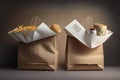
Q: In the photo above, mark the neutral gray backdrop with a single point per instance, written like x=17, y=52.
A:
x=16, y=12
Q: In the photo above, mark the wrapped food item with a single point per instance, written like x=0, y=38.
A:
x=56, y=28
x=23, y=33
x=28, y=34
x=23, y=28
x=101, y=29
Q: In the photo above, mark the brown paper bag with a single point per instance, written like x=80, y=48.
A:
x=41, y=54
x=80, y=57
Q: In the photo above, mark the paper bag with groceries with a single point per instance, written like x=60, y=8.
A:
x=84, y=49
x=37, y=46
x=93, y=37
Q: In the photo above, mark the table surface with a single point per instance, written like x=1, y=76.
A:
x=109, y=73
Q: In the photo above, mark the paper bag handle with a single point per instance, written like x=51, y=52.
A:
x=35, y=20
x=89, y=23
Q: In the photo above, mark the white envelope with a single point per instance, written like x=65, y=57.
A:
x=42, y=31
x=80, y=33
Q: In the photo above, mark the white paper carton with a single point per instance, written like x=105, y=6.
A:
x=80, y=33
x=42, y=31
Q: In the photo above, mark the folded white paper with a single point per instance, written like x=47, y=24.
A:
x=42, y=31
x=80, y=33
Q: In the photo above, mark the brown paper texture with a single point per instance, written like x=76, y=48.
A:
x=41, y=54
x=80, y=57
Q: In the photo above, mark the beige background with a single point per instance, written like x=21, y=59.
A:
x=60, y=13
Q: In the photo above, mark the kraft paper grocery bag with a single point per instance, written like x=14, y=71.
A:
x=80, y=57
x=41, y=54
x=84, y=50
x=37, y=46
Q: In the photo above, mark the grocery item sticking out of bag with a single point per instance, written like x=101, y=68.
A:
x=28, y=34
x=35, y=31
x=93, y=31
x=99, y=29
x=89, y=35
x=96, y=28
x=56, y=28
x=23, y=33
x=23, y=28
